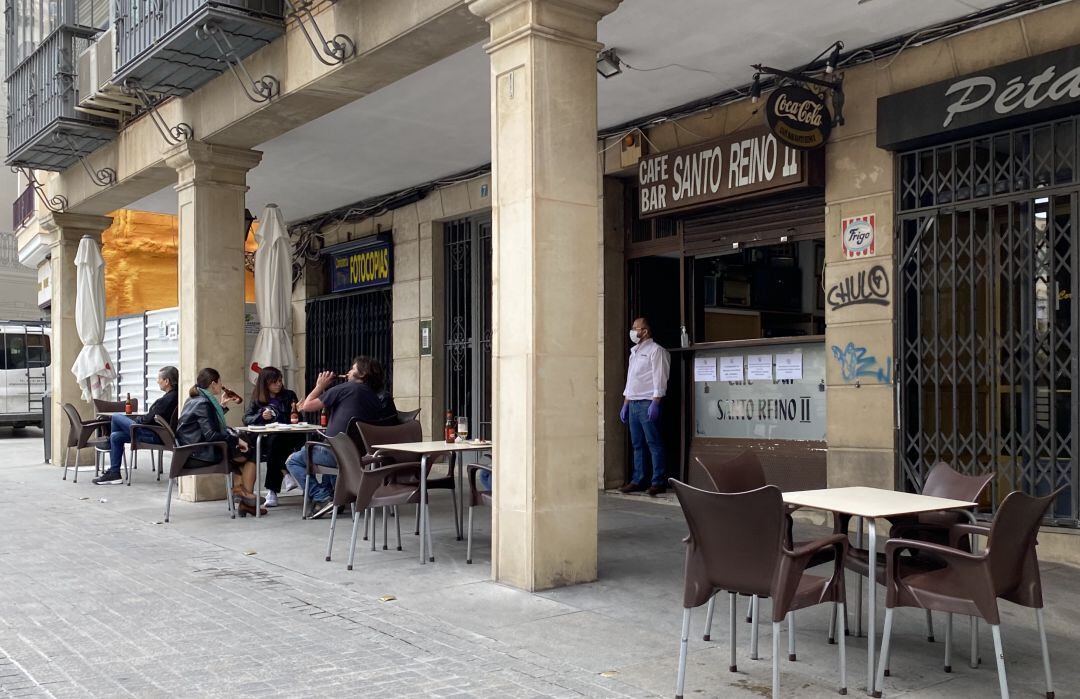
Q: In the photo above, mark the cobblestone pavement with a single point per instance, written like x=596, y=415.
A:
x=98, y=598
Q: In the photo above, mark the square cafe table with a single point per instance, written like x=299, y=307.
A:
x=261, y=431
x=870, y=504
x=428, y=451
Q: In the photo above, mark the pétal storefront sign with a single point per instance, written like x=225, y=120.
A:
x=1033, y=89
x=745, y=163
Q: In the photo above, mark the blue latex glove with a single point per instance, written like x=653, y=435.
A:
x=654, y=411
x=624, y=414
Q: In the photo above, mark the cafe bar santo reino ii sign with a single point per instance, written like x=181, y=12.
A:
x=745, y=163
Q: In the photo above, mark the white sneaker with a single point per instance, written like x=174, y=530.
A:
x=271, y=499
x=289, y=483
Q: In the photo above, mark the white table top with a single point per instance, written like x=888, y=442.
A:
x=436, y=447
x=279, y=427
x=871, y=502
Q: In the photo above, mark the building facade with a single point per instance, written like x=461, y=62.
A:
x=856, y=312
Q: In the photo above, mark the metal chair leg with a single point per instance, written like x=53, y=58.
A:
x=385, y=524
x=680, y=679
x=366, y=522
x=76, y=466
x=457, y=519
x=303, y=507
x=841, y=618
x=333, y=525
x=750, y=611
x=929, y=626
x=709, y=617
x=374, y=519
x=791, y=636
x=975, y=659
x=468, y=539
x=230, y=502
x=832, y=624
x=886, y=637
x=999, y=653
x=397, y=522
x=417, y=532
x=352, y=539
x=430, y=546
x=1045, y=653
x=732, y=664
x=775, y=659
x=754, y=606
x=168, y=498
x=948, y=642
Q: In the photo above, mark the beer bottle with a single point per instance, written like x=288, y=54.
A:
x=128, y=407
x=450, y=428
x=294, y=416
x=323, y=418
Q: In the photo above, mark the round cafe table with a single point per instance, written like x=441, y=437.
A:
x=260, y=431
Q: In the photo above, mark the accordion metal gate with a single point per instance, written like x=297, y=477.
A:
x=988, y=267
x=344, y=326
x=467, y=276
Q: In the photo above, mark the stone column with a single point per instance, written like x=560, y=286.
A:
x=64, y=232
x=211, y=184
x=546, y=218
x=210, y=191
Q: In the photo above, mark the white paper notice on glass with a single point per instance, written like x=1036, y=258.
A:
x=704, y=369
x=731, y=368
x=789, y=365
x=759, y=367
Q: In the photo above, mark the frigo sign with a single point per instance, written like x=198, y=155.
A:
x=798, y=118
x=742, y=164
x=1033, y=89
x=360, y=265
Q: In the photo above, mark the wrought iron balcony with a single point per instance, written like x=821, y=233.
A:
x=46, y=131
x=171, y=47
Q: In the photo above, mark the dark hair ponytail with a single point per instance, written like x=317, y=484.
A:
x=206, y=377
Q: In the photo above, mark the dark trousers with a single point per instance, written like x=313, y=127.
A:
x=276, y=449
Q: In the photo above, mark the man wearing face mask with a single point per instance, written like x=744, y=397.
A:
x=646, y=384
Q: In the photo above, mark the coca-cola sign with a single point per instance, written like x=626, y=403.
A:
x=1024, y=91
x=798, y=117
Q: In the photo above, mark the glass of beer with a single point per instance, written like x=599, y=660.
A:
x=463, y=427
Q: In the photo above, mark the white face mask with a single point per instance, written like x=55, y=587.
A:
x=635, y=337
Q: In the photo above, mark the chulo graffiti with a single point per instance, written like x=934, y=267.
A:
x=855, y=364
x=866, y=287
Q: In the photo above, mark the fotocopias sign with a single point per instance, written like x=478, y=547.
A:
x=360, y=265
x=798, y=117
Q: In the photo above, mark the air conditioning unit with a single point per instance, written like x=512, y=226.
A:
x=96, y=94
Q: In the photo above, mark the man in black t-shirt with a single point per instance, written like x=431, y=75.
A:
x=360, y=397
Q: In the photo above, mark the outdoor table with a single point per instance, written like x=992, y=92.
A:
x=261, y=431
x=110, y=413
x=427, y=451
x=870, y=504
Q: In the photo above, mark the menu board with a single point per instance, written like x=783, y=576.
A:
x=763, y=404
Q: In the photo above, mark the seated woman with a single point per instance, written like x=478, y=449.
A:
x=272, y=402
x=203, y=420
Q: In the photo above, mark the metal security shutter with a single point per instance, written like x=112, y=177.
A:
x=987, y=277
x=131, y=358
x=162, y=329
x=342, y=327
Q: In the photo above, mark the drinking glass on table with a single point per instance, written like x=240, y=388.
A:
x=463, y=427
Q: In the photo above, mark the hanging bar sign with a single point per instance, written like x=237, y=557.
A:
x=798, y=117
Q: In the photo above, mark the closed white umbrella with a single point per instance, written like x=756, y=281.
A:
x=273, y=293
x=93, y=367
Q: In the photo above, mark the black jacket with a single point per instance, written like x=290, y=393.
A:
x=165, y=407
x=199, y=423
x=253, y=416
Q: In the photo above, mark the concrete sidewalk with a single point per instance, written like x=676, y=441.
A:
x=97, y=598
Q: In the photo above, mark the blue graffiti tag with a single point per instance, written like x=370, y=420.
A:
x=855, y=364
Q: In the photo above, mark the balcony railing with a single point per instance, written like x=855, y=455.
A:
x=23, y=208
x=165, y=45
x=45, y=131
x=29, y=23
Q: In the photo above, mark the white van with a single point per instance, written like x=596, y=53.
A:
x=25, y=354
